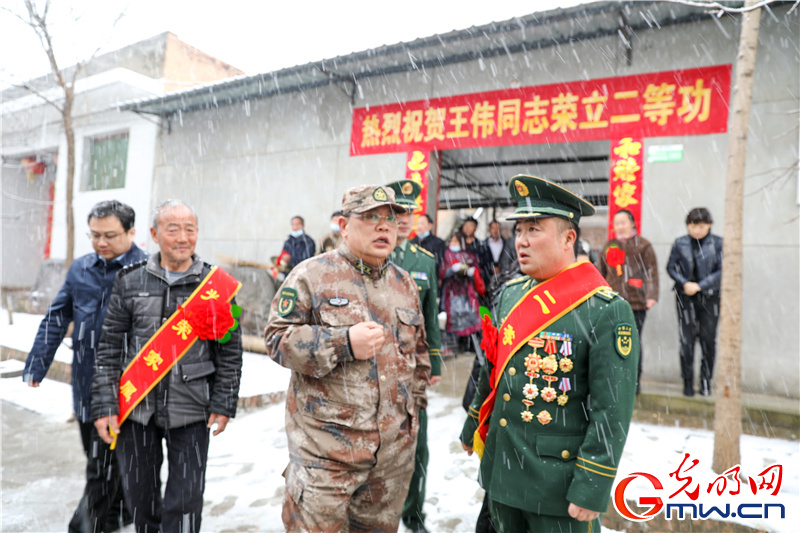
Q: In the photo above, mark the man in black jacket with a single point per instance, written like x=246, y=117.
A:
x=201, y=390
x=83, y=300
x=695, y=263
x=428, y=240
x=299, y=246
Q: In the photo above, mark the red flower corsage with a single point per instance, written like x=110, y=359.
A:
x=212, y=320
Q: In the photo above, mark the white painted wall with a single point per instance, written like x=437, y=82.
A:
x=30, y=127
x=249, y=167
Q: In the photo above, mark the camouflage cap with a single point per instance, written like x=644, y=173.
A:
x=537, y=198
x=367, y=197
x=406, y=192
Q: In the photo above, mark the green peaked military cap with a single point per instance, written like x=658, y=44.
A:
x=538, y=197
x=406, y=192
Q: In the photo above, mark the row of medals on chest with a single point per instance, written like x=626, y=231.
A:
x=537, y=366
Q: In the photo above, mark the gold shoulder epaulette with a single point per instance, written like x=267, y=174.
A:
x=516, y=280
x=606, y=294
x=426, y=252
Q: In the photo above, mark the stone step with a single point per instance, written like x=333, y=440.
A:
x=11, y=368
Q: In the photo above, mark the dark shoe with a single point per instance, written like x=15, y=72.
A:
x=705, y=388
x=688, y=388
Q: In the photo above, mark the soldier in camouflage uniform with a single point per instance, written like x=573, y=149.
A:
x=552, y=410
x=421, y=264
x=348, y=324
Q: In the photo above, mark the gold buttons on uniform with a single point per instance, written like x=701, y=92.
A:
x=506, y=396
x=512, y=371
x=503, y=422
x=383, y=378
x=565, y=454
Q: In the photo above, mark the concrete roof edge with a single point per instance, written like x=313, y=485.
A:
x=232, y=89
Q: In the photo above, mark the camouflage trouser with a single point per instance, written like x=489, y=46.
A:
x=336, y=500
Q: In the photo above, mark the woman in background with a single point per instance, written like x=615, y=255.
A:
x=461, y=285
x=628, y=262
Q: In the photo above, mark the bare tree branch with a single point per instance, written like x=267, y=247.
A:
x=39, y=94
x=786, y=174
x=39, y=24
x=719, y=9
x=15, y=15
x=82, y=64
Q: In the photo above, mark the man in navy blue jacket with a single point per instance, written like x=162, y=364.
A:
x=695, y=263
x=83, y=299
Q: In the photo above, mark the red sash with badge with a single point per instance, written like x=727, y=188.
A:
x=545, y=303
x=206, y=314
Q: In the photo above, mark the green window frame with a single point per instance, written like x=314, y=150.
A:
x=108, y=161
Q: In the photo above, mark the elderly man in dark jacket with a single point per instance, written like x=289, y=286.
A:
x=83, y=300
x=201, y=390
x=695, y=263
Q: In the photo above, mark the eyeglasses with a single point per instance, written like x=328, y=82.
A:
x=375, y=219
x=94, y=237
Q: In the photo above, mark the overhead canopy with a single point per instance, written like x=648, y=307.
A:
x=479, y=177
x=534, y=31
x=475, y=177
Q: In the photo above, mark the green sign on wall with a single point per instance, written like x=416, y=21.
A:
x=665, y=153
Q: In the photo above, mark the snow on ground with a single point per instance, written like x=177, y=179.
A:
x=21, y=334
x=244, y=488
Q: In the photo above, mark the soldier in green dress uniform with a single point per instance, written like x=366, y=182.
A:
x=553, y=407
x=421, y=264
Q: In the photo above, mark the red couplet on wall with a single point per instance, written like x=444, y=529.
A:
x=417, y=169
x=625, y=180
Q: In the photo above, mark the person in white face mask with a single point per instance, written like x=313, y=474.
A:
x=299, y=246
x=332, y=239
x=462, y=284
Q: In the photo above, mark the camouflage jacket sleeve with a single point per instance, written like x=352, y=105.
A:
x=611, y=407
x=422, y=370
x=297, y=340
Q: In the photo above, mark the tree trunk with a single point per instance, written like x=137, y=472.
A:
x=728, y=409
x=70, y=133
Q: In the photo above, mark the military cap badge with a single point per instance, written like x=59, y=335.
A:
x=406, y=192
x=537, y=197
x=380, y=195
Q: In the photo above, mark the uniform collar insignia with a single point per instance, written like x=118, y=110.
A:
x=361, y=266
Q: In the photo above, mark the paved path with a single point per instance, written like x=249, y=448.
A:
x=43, y=471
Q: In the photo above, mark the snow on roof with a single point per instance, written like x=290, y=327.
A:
x=536, y=30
